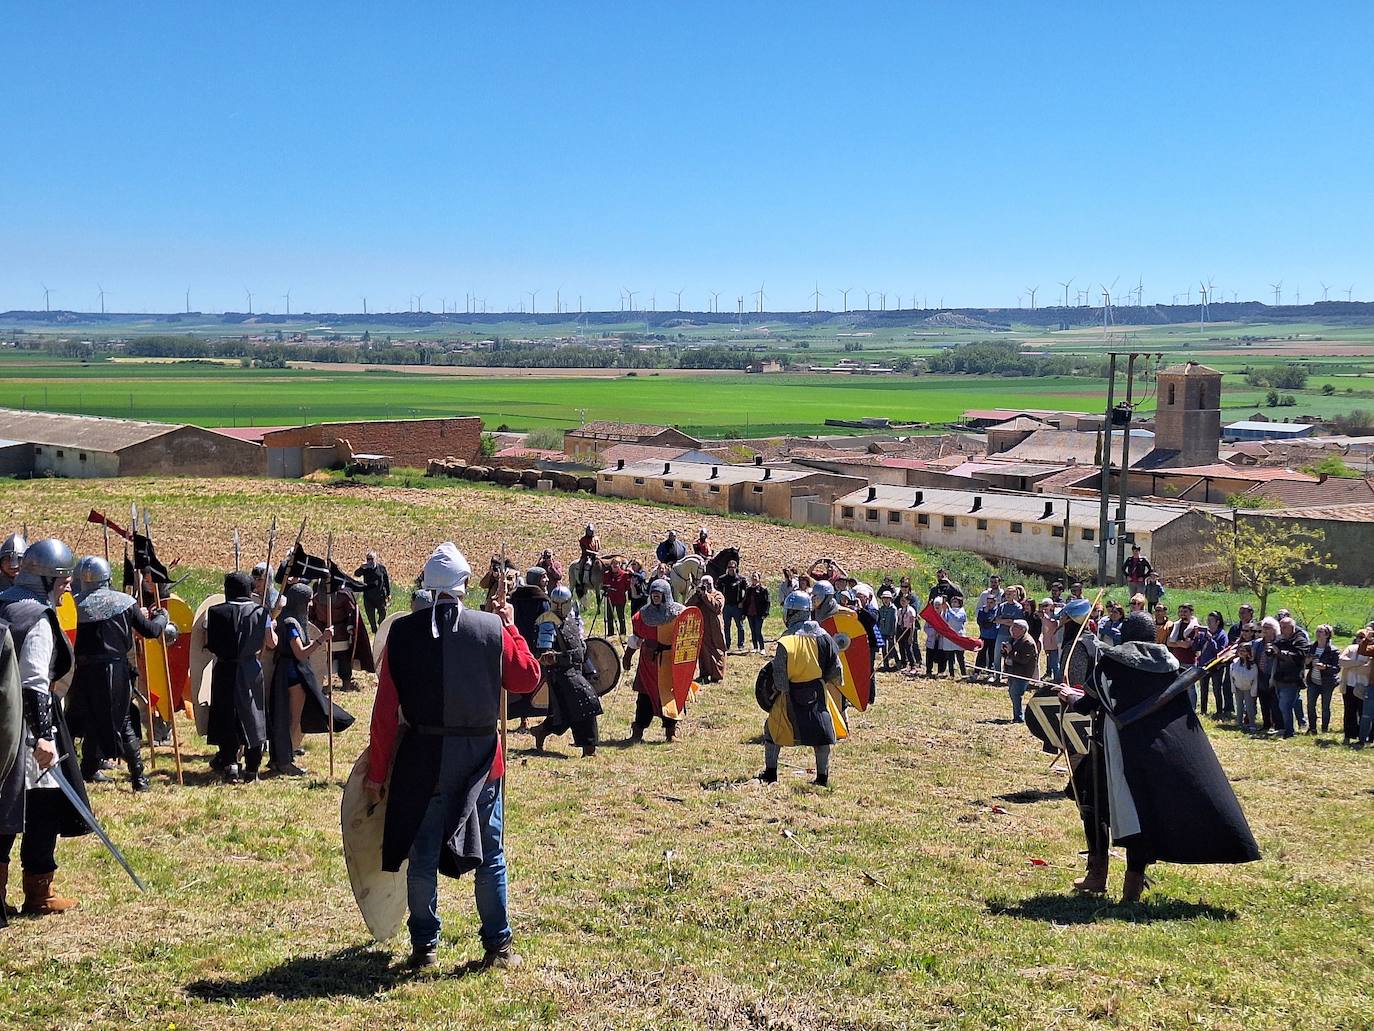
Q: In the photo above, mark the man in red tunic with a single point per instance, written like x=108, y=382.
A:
x=651, y=630
x=444, y=669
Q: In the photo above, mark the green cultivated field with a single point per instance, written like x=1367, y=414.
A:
x=225, y=395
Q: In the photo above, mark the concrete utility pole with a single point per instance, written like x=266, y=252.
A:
x=1124, y=476
x=1105, y=486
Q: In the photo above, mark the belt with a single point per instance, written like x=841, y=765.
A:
x=432, y=730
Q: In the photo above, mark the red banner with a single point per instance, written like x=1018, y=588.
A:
x=933, y=618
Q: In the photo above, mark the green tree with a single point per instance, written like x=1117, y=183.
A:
x=1264, y=554
x=1272, y=399
x=1328, y=389
x=1331, y=465
x=488, y=445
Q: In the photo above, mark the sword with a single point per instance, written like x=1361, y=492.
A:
x=85, y=812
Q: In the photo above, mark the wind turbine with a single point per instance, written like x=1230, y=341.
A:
x=760, y=294
x=715, y=301
x=630, y=297
x=250, y=299
x=816, y=293
x=868, y=300
x=533, y=295
x=188, y=300
x=1324, y=290
x=46, y=292
x=364, y=305
x=1066, y=291
x=1276, y=287
x=287, y=295
x=1031, y=290
x=1140, y=292
x=102, y=297
x=679, y=299
x=882, y=301
x=1202, y=309
x=1349, y=290
x=845, y=294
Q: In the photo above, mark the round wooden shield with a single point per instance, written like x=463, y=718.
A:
x=381, y=896
x=605, y=661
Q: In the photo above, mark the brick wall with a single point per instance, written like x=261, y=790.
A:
x=191, y=451
x=408, y=442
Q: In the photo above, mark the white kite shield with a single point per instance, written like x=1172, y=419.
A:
x=381, y=896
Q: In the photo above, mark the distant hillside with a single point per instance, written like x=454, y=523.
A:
x=1332, y=312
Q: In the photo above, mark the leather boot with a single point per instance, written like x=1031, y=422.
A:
x=5, y=908
x=1134, y=886
x=1094, y=882
x=39, y=898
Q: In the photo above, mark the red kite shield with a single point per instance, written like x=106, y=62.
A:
x=677, y=665
x=855, y=658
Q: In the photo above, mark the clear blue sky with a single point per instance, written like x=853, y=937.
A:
x=960, y=151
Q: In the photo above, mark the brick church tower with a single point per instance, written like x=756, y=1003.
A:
x=1188, y=414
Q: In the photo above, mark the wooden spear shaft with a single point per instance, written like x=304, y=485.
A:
x=166, y=671
x=137, y=591
x=329, y=618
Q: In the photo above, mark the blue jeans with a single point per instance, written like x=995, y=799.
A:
x=734, y=617
x=1003, y=637
x=1052, y=665
x=1290, y=708
x=422, y=876
x=1016, y=687
x=756, y=632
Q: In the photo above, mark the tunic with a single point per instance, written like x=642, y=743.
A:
x=447, y=690
x=806, y=674
x=711, y=660
x=234, y=633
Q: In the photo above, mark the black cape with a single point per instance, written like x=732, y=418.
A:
x=315, y=715
x=1167, y=794
x=234, y=632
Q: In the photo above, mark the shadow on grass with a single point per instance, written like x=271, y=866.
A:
x=1031, y=795
x=1090, y=909
x=359, y=971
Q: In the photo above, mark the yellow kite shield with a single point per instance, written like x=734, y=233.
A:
x=852, y=639
x=678, y=663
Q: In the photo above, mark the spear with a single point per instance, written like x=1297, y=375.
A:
x=236, y=549
x=501, y=604
x=136, y=590
x=329, y=619
x=166, y=669
x=267, y=568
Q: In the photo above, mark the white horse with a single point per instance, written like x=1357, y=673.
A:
x=685, y=574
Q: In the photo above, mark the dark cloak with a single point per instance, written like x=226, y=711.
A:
x=1167, y=795
x=571, y=696
x=315, y=715
x=234, y=633
x=449, y=681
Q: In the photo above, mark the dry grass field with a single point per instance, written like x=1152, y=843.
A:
x=661, y=886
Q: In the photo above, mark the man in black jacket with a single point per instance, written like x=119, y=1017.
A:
x=376, y=589
x=731, y=586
